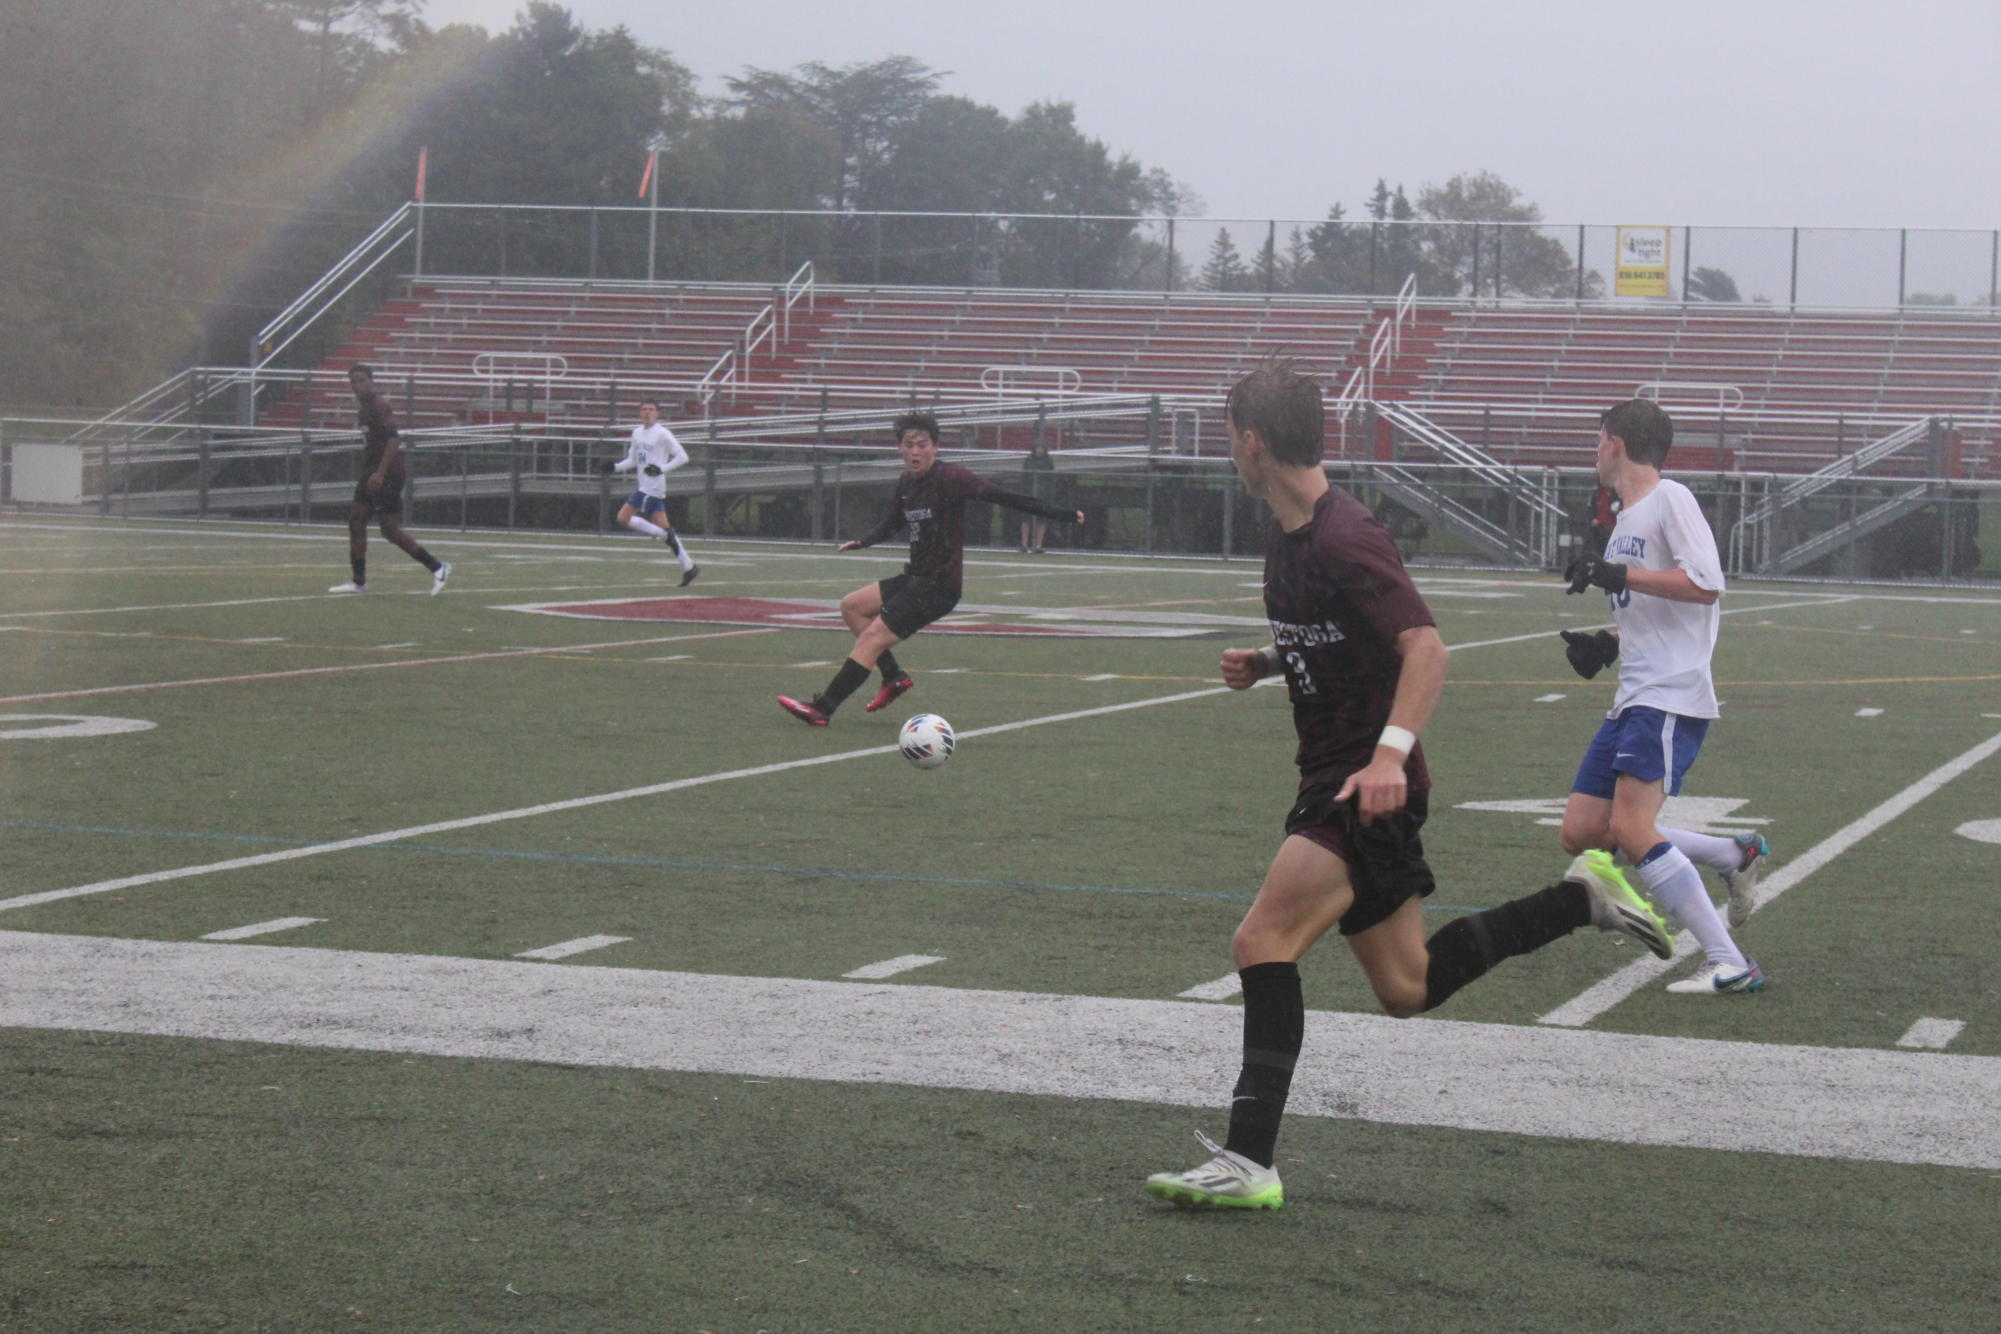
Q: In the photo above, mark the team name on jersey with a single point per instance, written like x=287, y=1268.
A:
x=1284, y=634
x=1634, y=548
x=914, y=515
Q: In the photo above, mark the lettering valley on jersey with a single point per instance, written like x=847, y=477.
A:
x=1631, y=548
x=1284, y=634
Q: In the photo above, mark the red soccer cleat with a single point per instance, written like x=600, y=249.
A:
x=890, y=692
x=804, y=712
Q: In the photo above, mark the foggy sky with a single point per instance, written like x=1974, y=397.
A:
x=1837, y=113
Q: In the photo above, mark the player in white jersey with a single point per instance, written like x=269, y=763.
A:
x=1664, y=577
x=654, y=452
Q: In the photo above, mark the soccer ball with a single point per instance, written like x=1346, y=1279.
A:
x=926, y=740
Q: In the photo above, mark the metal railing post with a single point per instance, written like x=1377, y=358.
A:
x=513, y=475
x=201, y=474
x=305, y=477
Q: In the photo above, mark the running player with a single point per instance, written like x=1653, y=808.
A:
x=1662, y=572
x=930, y=501
x=1364, y=665
x=380, y=488
x=654, y=452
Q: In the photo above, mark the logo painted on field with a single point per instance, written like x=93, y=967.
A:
x=55, y=726
x=1981, y=831
x=1701, y=815
x=1050, y=622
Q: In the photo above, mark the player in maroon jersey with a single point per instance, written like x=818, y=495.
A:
x=1364, y=665
x=930, y=501
x=380, y=488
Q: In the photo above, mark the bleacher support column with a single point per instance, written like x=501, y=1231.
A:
x=201, y=474
x=1793, y=293
x=305, y=477
x=513, y=475
x=465, y=484
x=604, y=492
x=1903, y=255
x=820, y=466
x=1580, y=261
x=1168, y=286
x=709, y=477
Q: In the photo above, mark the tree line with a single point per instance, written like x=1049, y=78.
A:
x=174, y=174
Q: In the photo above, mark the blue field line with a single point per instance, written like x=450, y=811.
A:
x=671, y=864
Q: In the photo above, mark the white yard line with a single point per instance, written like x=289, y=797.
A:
x=377, y=666
x=548, y=808
x=276, y=924
x=1838, y=1103
x=1932, y=1034
x=581, y=945
x=1221, y=989
x=1595, y=1000
x=902, y=963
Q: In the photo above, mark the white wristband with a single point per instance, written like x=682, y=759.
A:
x=1399, y=739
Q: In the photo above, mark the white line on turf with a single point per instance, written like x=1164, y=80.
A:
x=1868, y=713
x=1221, y=989
x=378, y=666
x=551, y=808
x=1931, y=1034
x=262, y=928
x=581, y=945
x=1821, y=1102
x=1595, y=1000
x=1548, y=699
x=902, y=963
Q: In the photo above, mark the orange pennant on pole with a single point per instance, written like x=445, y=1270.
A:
x=646, y=177
x=422, y=155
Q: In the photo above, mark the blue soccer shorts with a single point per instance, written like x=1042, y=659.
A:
x=1647, y=743
x=645, y=504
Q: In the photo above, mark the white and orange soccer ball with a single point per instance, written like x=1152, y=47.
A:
x=926, y=740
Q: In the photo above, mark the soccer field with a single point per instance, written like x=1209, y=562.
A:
x=507, y=959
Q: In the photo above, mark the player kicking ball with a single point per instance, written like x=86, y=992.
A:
x=653, y=453
x=930, y=502
x=1364, y=665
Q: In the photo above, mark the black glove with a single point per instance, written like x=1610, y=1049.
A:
x=653, y=470
x=1588, y=570
x=1590, y=654
x=608, y=466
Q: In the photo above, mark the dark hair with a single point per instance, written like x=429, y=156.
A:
x=915, y=421
x=654, y=402
x=1646, y=431
x=1284, y=407
x=364, y=368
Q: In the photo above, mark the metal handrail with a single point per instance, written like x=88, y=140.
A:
x=996, y=378
x=331, y=276
x=800, y=284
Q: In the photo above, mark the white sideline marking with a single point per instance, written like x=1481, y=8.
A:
x=1594, y=1001
x=564, y=949
x=263, y=639
x=1820, y=1102
x=1868, y=713
x=262, y=928
x=902, y=963
x=813, y=664
x=375, y=666
x=553, y=807
x=1221, y=989
x=672, y=657
x=1933, y=1034
x=1547, y=699
x=1102, y=676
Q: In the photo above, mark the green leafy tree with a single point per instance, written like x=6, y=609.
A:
x=1528, y=262
x=1711, y=285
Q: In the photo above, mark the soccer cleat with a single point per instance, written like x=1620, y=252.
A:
x=1616, y=907
x=803, y=711
x=1714, y=979
x=891, y=691
x=688, y=575
x=1742, y=881
x=1227, y=1181
x=439, y=575
x=349, y=587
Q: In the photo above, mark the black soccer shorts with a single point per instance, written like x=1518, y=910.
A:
x=910, y=602
x=1385, y=858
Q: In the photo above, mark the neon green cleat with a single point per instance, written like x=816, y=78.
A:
x=1616, y=906
x=1227, y=1181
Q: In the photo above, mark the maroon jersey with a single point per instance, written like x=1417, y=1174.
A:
x=377, y=425
x=1337, y=597
x=933, y=507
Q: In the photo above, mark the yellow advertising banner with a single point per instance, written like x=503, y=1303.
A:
x=1643, y=262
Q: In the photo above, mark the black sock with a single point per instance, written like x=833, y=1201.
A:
x=426, y=559
x=673, y=542
x=851, y=675
x=1274, y=1030
x=359, y=564
x=886, y=664
x=1464, y=949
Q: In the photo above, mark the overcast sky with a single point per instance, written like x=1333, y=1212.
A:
x=1812, y=113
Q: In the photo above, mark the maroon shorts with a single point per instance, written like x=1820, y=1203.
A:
x=1385, y=857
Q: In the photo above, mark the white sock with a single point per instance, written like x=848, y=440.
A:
x=681, y=554
x=1677, y=886
x=639, y=525
x=1718, y=854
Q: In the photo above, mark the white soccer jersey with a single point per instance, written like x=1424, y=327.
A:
x=1665, y=646
x=654, y=445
